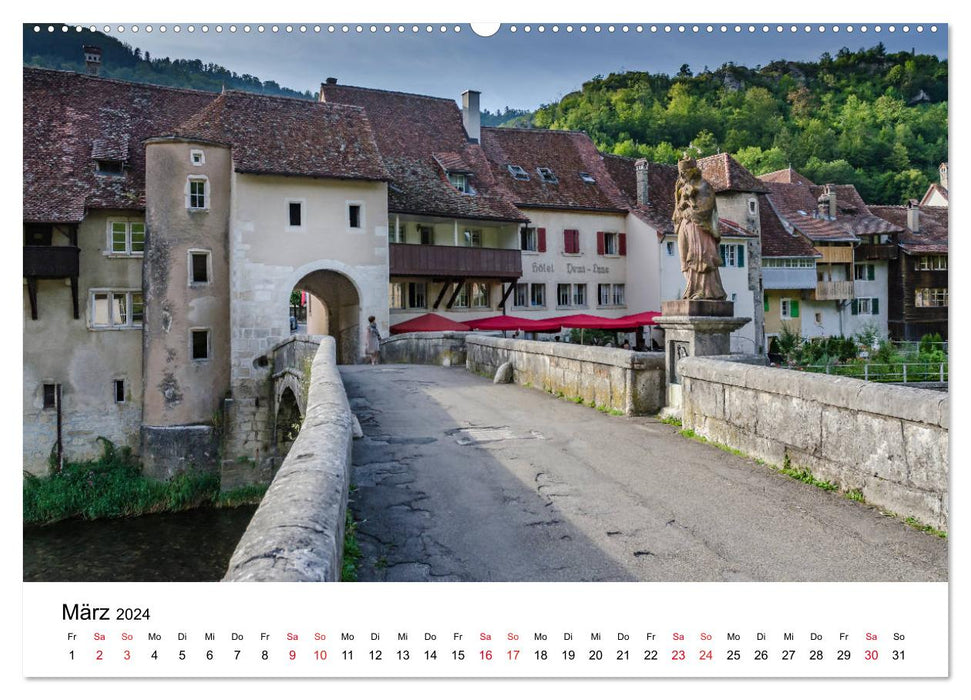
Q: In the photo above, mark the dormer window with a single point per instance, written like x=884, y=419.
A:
x=110, y=167
x=546, y=175
x=517, y=172
x=460, y=181
x=587, y=177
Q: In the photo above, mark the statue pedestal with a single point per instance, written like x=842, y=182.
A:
x=693, y=328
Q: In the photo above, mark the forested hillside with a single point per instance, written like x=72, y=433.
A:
x=62, y=50
x=876, y=120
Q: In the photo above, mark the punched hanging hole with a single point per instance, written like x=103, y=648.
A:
x=485, y=28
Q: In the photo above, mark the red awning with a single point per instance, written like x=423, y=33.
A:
x=645, y=318
x=514, y=323
x=600, y=323
x=428, y=322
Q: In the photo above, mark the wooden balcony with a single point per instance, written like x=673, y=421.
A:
x=454, y=262
x=834, y=254
x=830, y=291
x=51, y=262
x=871, y=251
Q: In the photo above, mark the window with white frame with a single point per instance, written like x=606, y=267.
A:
x=126, y=237
x=587, y=177
x=865, y=306
x=355, y=215
x=197, y=156
x=733, y=255
x=521, y=295
x=197, y=194
x=563, y=294
x=472, y=238
x=789, y=262
x=462, y=299
x=788, y=308
x=460, y=181
x=669, y=246
x=619, y=295
x=417, y=297
x=611, y=245
x=396, y=234
x=546, y=175
x=603, y=295
x=294, y=214
x=931, y=296
x=200, y=267
x=479, y=292
x=931, y=262
x=528, y=239
x=200, y=347
x=537, y=294
x=396, y=295
x=752, y=207
x=580, y=295
x=518, y=172
x=116, y=309
x=864, y=272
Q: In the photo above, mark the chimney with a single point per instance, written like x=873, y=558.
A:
x=92, y=60
x=943, y=171
x=831, y=191
x=643, y=167
x=470, y=114
x=331, y=81
x=913, y=216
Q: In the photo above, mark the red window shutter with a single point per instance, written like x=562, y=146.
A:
x=623, y=243
x=571, y=241
x=541, y=239
x=600, y=242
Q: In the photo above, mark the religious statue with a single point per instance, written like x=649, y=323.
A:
x=696, y=224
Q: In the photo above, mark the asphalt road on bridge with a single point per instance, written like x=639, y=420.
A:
x=458, y=479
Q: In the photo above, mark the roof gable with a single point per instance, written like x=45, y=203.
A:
x=287, y=136
x=411, y=132
x=566, y=154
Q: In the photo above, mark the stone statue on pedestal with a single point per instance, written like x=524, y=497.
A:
x=696, y=224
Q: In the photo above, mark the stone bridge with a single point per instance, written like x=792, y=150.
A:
x=462, y=479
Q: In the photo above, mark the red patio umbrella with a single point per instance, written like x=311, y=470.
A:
x=645, y=318
x=514, y=323
x=428, y=322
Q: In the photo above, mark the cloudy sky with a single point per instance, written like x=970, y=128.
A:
x=517, y=69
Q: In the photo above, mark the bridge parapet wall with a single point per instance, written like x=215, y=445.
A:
x=888, y=442
x=613, y=378
x=297, y=533
x=445, y=348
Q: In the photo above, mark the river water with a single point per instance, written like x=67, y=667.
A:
x=193, y=545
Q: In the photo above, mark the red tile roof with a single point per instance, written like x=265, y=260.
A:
x=932, y=222
x=797, y=204
x=786, y=175
x=725, y=174
x=661, y=177
x=72, y=119
x=566, y=154
x=409, y=130
x=287, y=136
x=777, y=242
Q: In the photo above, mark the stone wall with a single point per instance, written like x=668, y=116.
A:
x=297, y=533
x=888, y=442
x=445, y=348
x=617, y=379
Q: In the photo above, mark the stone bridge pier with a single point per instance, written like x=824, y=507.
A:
x=269, y=425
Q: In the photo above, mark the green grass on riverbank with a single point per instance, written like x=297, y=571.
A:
x=114, y=487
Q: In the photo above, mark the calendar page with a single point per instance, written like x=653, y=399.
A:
x=606, y=350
